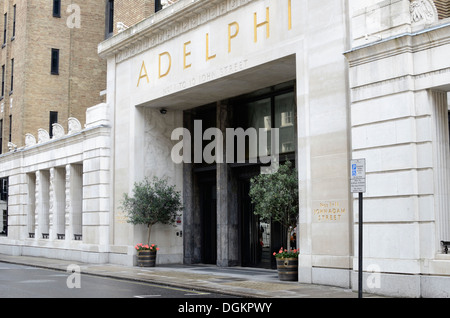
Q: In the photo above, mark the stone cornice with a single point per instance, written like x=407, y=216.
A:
x=55, y=144
x=164, y=25
x=403, y=43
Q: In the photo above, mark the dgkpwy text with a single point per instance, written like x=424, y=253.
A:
x=225, y=308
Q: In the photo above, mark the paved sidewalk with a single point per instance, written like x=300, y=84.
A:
x=236, y=281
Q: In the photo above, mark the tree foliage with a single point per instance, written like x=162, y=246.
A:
x=275, y=195
x=152, y=202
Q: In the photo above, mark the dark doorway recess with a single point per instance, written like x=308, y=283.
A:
x=208, y=214
x=258, y=238
x=253, y=239
x=4, y=184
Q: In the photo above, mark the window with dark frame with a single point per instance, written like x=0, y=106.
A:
x=158, y=5
x=55, y=62
x=10, y=128
x=5, y=25
x=57, y=8
x=3, y=81
x=4, y=228
x=53, y=120
x=109, y=27
x=12, y=76
x=3, y=189
x=14, y=23
x=4, y=213
x=1, y=136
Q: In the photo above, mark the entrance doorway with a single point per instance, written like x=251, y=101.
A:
x=255, y=234
x=258, y=238
x=248, y=240
x=208, y=214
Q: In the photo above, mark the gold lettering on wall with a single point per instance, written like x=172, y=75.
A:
x=232, y=36
x=208, y=57
x=143, y=75
x=169, y=64
x=185, y=55
x=265, y=23
x=329, y=211
x=289, y=14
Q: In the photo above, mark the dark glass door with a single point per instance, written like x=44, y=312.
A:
x=255, y=235
x=258, y=238
x=4, y=207
x=208, y=207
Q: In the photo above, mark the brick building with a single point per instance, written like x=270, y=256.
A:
x=130, y=12
x=50, y=69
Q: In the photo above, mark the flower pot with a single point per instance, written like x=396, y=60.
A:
x=287, y=269
x=147, y=258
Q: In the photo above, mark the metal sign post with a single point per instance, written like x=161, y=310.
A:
x=358, y=185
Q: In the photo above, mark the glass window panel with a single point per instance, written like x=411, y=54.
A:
x=285, y=121
x=258, y=115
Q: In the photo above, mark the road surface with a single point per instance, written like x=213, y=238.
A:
x=18, y=281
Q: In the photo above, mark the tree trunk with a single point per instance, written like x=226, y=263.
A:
x=149, y=232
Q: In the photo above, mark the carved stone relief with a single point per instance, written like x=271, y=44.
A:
x=30, y=140
x=423, y=12
x=58, y=131
x=43, y=136
x=74, y=125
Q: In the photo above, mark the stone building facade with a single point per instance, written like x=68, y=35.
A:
x=50, y=67
x=399, y=82
x=57, y=200
x=339, y=80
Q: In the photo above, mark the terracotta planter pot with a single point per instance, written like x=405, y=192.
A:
x=287, y=269
x=146, y=258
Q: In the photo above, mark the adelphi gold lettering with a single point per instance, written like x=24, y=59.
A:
x=165, y=58
x=169, y=64
x=185, y=55
x=143, y=75
x=232, y=25
x=208, y=57
x=266, y=23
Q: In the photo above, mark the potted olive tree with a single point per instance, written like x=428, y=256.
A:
x=275, y=198
x=151, y=202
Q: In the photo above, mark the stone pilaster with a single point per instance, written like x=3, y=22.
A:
x=74, y=197
x=42, y=203
x=441, y=170
x=227, y=212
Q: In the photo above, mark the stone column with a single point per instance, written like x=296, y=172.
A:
x=51, y=209
x=37, y=228
x=74, y=200
x=42, y=203
x=191, y=235
x=31, y=206
x=227, y=212
x=441, y=169
x=188, y=202
x=57, y=203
